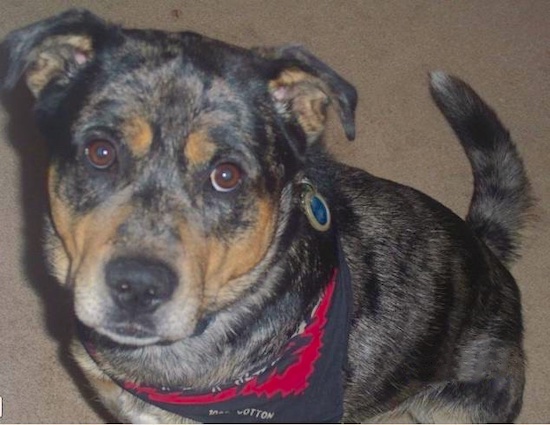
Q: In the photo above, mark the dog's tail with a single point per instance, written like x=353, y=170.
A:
x=502, y=193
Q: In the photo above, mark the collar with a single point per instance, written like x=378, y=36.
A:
x=304, y=384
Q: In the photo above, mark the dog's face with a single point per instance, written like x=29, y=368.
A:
x=169, y=156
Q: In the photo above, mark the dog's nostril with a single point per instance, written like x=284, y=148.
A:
x=123, y=287
x=139, y=285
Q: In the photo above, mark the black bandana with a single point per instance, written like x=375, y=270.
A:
x=304, y=384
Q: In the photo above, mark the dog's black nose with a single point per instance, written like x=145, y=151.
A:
x=139, y=285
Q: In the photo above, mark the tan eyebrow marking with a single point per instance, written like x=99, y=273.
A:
x=199, y=148
x=139, y=136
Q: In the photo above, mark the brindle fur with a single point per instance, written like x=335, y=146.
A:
x=436, y=329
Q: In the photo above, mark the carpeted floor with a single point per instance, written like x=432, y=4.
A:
x=383, y=47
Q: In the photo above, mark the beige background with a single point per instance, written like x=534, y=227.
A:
x=385, y=48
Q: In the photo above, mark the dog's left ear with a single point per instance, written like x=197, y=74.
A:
x=304, y=86
x=52, y=50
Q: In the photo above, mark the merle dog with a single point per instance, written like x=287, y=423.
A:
x=226, y=268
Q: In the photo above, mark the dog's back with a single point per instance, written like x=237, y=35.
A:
x=435, y=306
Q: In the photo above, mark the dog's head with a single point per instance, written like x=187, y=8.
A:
x=169, y=156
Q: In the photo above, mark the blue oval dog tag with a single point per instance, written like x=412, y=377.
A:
x=320, y=210
x=315, y=208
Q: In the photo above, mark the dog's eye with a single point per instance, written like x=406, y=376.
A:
x=100, y=153
x=226, y=177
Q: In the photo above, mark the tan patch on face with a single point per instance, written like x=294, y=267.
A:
x=85, y=238
x=49, y=59
x=139, y=136
x=57, y=256
x=220, y=264
x=199, y=148
x=307, y=96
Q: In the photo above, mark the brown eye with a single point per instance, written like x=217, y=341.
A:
x=100, y=153
x=225, y=177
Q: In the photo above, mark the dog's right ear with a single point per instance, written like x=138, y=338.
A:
x=50, y=51
x=304, y=86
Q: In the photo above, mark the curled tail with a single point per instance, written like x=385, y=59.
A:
x=502, y=193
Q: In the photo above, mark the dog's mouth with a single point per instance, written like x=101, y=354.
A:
x=129, y=333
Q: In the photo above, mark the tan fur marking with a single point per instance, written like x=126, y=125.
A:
x=310, y=110
x=93, y=232
x=86, y=237
x=57, y=256
x=49, y=58
x=62, y=219
x=42, y=71
x=290, y=77
x=199, y=148
x=227, y=263
x=308, y=97
x=215, y=266
x=139, y=136
x=81, y=42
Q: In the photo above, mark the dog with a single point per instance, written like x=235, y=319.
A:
x=226, y=268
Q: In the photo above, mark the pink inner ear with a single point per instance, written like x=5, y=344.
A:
x=80, y=57
x=280, y=94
